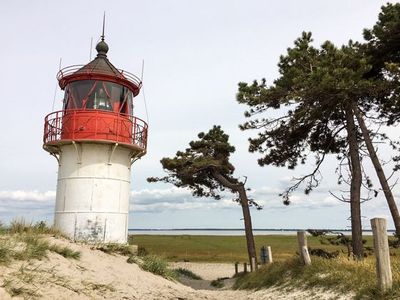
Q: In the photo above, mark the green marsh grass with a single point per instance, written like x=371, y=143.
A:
x=224, y=248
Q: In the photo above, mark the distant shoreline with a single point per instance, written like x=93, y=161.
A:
x=230, y=231
x=238, y=229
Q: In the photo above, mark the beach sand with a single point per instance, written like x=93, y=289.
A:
x=97, y=275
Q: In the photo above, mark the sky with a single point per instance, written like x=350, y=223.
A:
x=195, y=53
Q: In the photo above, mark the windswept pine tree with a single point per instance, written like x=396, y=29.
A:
x=205, y=169
x=323, y=96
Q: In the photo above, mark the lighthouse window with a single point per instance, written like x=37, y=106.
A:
x=77, y=93
x=96, y=94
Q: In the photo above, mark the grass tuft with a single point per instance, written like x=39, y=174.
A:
x=218, y=283
x=187, y=273
x=112, y=248
x=157, y=266
x=33, y=247
x=65, y=251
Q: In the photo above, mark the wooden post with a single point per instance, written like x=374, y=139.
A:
x=236, y=268
x=245, y=267
x=263, y=255
x=381, y=246
x=305, y=255
x=269, y=255
x=253, y=265
x=303, y=250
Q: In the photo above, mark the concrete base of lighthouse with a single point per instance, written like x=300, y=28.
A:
x=93, y=190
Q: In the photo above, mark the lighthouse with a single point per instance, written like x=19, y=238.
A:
x=95, y=139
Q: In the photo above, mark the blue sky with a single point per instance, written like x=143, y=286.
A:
x=195, y=53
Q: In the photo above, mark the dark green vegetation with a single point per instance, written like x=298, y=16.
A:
x=205, y=169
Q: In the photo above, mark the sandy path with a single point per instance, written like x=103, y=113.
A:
x=207, y=271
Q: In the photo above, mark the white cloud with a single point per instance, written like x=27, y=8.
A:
x=33, y=196
x=178, y=199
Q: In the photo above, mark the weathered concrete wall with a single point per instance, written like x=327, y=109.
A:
x=93, y=188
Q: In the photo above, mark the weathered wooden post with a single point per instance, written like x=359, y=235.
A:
x=269, y=255
x=381, y=246
x=253, y=265
x=263, y=255
x=245, y=267
x=236, y=268
x=303, y=250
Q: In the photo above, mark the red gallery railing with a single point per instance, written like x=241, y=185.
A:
x=94, y=125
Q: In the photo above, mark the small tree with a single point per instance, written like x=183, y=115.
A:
x=205, y=169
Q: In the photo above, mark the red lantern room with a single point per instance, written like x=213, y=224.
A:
x=97, y=107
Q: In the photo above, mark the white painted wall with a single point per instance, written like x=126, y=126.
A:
x=93, y=187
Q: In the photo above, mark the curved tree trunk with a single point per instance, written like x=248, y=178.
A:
x=379, y=171
x=355, y=187
x=248, y=228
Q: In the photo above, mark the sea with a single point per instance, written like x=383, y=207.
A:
x=230, y=232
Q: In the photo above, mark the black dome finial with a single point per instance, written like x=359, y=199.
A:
x=102, y=47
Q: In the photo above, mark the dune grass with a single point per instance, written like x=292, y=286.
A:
x=187, y=273
x=155, y=265
x=341, y=275
x=26, y=241
x=111, y=248
x=65, y=251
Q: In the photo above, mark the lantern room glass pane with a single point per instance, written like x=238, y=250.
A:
x=97, y=94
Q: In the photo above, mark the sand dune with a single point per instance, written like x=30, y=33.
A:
x=97, y=275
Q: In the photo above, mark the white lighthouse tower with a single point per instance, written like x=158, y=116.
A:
x=95, y=139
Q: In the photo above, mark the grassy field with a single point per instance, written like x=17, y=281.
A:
x=223, y=248
x=340, y=275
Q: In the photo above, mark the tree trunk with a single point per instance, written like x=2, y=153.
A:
x=355, y=186
x=251, y=248
x=244, y=202
x=379, y=171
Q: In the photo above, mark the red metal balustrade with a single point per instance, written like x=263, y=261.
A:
x=94, y=125
x=78, y=70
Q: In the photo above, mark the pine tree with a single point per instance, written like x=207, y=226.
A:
x=319, y=93
x=205, y=169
